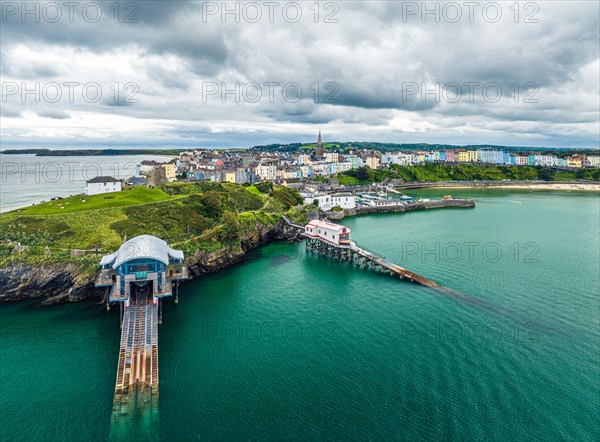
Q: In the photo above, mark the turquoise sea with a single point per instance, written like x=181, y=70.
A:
x=290, y=346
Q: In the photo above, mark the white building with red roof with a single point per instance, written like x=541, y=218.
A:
x=333, y=233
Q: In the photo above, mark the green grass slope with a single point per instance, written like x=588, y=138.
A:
x=193, y=216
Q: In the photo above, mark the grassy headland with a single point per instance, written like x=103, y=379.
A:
x=91, y=152
x=192, y=216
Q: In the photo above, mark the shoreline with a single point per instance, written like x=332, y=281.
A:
x=59, y=283
x=513, y=185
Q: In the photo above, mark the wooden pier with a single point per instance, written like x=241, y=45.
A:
x=358, y=256
x=364, y=258
x=137, y=372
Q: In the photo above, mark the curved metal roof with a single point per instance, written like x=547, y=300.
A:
x=143, y=246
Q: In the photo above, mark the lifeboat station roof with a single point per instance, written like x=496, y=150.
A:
x=326, y=225
x=143, y=246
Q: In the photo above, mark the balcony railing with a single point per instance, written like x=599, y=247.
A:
x=177, y=271
x=105, y=278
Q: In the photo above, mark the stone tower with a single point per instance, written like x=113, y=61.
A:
x=319, y=153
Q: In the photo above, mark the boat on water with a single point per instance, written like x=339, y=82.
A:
x=406, y=197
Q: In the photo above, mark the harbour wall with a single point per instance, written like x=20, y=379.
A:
x=417, y=205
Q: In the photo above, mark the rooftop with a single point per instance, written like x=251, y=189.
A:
x=143, y=246
x=326, y=225
x=103, y=179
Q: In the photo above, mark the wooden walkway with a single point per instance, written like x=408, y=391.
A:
x=137, y=372
x=360, y=257
x=392, y=268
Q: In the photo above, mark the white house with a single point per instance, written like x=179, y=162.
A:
x=102, y=184
x=344, y=200
x=593, y=160
x=328, y=202
x=334, y=233
x=403, y=159
x=266, y=172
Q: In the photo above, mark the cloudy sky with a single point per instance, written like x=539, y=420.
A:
x=210, y=74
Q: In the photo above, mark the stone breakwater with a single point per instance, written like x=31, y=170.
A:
x=417, y=205
x=58, y=283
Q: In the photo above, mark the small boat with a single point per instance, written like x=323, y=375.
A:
x=406, y=197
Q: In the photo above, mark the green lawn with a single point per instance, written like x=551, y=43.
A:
x=78, y=203
x=346, y=180
x=254, y=190
x=208, y=216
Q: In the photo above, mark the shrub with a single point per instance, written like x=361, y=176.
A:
x=265, y=187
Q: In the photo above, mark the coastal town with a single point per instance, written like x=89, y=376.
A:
x=305, y=221
x=251, y=166
x=317, y=173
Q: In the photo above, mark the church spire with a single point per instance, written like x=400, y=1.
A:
x=319, y=153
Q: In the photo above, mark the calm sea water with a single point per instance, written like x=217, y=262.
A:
x=287, y=346
x=27, y=179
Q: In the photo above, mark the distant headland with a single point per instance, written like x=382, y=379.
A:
x=337, y=146
x=90, y=152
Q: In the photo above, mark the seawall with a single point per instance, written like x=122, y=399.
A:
x=418, y=205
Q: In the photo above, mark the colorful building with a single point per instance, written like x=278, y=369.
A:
x=373, y=162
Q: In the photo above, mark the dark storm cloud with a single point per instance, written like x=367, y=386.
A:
x=375, y=54
x=157, y=26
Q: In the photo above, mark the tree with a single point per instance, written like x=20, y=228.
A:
x=211, y=201
x=230, y=230
x=362, y=174
x=546, y=174
x=265, y=187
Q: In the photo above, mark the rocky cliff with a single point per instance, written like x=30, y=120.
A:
x=61, y=282
x=52, y=284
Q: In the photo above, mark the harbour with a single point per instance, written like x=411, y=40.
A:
x=286, y=324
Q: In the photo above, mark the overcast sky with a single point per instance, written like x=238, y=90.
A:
x=183, y=74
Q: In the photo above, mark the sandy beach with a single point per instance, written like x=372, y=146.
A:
x=573, y=187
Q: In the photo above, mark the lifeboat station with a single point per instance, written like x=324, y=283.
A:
x=144, y=265
x=142, y=272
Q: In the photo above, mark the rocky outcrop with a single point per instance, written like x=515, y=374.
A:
x=61, y=283
x=52, y=284
x=203, y=262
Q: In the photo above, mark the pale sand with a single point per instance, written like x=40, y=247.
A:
x=586, y=187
